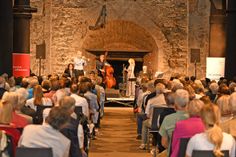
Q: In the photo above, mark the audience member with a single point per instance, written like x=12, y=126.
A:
x=229, y=125
x=189, y=127
x=168, y=125
x=48, y=135
x=212, y=138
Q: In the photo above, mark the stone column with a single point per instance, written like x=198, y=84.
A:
x=21, y=36
x=230, y=65
x=6, y=36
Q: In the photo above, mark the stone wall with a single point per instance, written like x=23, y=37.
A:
x=198, y=34
x=160, y=26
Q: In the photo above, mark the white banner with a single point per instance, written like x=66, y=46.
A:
x=215, y=68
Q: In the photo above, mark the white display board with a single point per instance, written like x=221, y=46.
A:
x=215, y=68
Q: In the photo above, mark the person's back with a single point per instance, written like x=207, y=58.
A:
x=80, y=101
x=71, y=131
x=37, y=136
x=48, y=135
x=189, y=127
x=212, y=138
x=169, y=122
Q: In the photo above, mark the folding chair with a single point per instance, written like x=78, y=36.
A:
x=207, y=153
x=155, y=123
x=78, y=111
x=183, y=146
x=33, y=152
x=38, y=119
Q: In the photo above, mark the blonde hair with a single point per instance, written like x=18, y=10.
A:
x=10, y=98
x=210, y=115
x=194, y=107
x=232, y=102
x=38, y=95
x=6, y=107
x=223, y=103
x=131, y=61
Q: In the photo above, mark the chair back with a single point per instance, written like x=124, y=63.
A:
x=158, y=116
x=183, y=146
x=33, y=152
x=207, y=153
x=78, y=110
x=38, y=119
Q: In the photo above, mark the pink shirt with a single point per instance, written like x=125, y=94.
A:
x=18, y=120
x=185, y=129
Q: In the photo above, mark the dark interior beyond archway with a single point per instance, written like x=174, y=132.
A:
x=118, y=66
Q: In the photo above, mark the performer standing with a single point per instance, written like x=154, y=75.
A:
x=130, y=87
x=79, y=63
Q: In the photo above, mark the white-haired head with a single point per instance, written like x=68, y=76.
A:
x=181, y=98
x=214, y=87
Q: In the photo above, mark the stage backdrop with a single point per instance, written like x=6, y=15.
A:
x=215, y=68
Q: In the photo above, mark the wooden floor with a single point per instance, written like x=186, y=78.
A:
x=117, y=136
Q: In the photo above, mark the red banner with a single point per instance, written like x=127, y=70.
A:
x=21, y=64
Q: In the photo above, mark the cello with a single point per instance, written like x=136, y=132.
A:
x=109, y=80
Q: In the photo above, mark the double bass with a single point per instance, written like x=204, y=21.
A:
x=109, y=79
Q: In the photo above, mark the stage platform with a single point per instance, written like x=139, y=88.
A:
x=114, y=98
x=122, y=101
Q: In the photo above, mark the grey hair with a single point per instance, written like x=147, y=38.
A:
x=181, y=97
x=214, y=87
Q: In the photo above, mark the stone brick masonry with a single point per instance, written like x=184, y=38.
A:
x=167, y=28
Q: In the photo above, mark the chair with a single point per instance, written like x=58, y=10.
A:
x=33, y=152
x=183, y=146
x=78, y=111
x=157, y=117
x=38, y=119
x=207, y=153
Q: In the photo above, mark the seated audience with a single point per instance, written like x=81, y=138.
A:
x=74, y=130
x=189, y=127
x=229, y=126
x=213, y=90
x=32, y=83
x=168, y=125
x=225, y=108
x=38, y=99
x=79, y=101
x=20, y=107
x=212, y=138
x=157, y=101
x=48, y=134
x=2, y=86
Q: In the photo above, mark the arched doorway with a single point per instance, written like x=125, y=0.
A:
x=123, y=40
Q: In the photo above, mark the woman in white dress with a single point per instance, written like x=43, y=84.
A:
x=130, y=88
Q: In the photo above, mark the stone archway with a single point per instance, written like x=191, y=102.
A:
x=124, y=36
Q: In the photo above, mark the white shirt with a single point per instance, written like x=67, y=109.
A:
x=200, y=142
x=80, y=101
x=158, y=100
x=80, y=135
x=38, y=136
x=45, y=102
x=79, y=63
